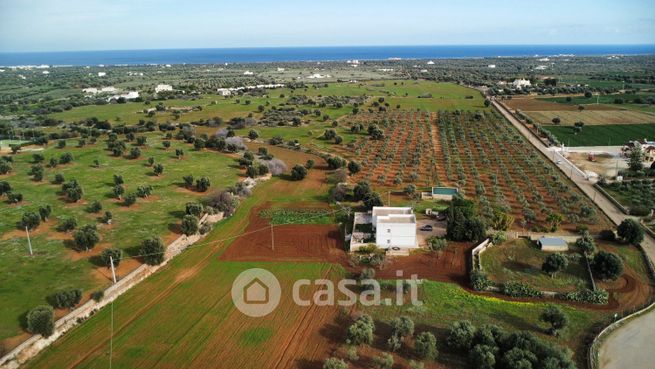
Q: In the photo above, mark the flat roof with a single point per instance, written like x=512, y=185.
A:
x=552, y=241
x=387, y=210
x=397, y=218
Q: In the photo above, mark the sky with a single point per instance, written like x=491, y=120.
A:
x=70, y=25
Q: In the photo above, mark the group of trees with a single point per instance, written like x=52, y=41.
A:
x=490, y=347
x=463, y=222
x=363, y=192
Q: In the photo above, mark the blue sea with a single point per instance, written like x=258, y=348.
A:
x=291, y=54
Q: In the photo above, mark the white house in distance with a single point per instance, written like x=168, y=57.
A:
x=521, y=83
x=224, y=91
x=162, y=88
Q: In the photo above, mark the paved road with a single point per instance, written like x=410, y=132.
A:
x=630, y=346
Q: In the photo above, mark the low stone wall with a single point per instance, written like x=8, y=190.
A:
x=476, y=263
x=35, y=344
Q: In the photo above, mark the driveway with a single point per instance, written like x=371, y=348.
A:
x=438, y=229
x=629, y=346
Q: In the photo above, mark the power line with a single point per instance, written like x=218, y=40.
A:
x=269, y=227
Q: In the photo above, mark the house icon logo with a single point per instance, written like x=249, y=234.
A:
x=256, y=292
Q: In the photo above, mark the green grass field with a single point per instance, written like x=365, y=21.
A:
x=602, y=135
x=521, y=260
x=30, y=280
x=602, y=99
x=445, y=96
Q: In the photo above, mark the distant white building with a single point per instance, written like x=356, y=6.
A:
x=162, y=88
x=394, y=227
x=248, y=73
x=90, y=90
x=224, y=91
x=521, y=83
x=102, y=74
x=281, y=69
x=430, y=62
x=491, y=66
x=109, y=89
x=130, y=95
x=541, y=67
x=318, y=76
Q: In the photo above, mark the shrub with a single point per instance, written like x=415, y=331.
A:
x=194, y=208
x=607, y=235
x=152, y=250
x=425, y=346
x=158, y=169
x=607, y=265
x=520, y=289
x=298, y=172
x=66, y=299
x=203, y=184
x=480, y=281
x=41, y=320
x=95, y=207
x=189, y=225
x=86, y=237
x=555, y=318
x=44, y=212
x=361, y=331
x=111, y=254
x=384, y=361
x=554, y=263
x=67, y=224
x=334, y=363
x=630, y=231
x=460, y=335
x=59, y=179
x=483, y=357
x=30, y=220
x=5, y=167
x=599, y=297
x=586, y=243
x=437, y=243
x=130, y=199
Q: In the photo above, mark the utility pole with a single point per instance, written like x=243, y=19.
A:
x=389, y=197
x=29, y=243
x=113, y=271
x=272, y=239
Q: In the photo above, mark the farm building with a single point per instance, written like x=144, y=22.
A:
x=387, y=227
x=162, y=88
x=224, y=92
x=440, y=193
x=554, y=244
x=521, y=83
x=130, y=95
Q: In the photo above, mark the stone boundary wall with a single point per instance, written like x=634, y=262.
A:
x=35, y=344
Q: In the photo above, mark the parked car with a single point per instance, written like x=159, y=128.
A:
x=426, y=228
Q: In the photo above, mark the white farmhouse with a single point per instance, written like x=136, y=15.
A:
x=90, y=90
x=110, y=89
x=394, y=227
x=102, y=74
x=162, y=88
x=224, y=91
x=521, y=83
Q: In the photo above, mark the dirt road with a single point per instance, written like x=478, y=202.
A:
x=630, y=345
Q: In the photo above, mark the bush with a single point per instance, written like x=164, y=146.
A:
x=480, y=281
x=607, y=235
x=437, y=243
x=334, y=363
x=425, y=346
x=194, y=208
x=86, y=237
x=111, y=254
x=361, y=331
x=630, y=231
x=130, y=199
x=599, y=297
x=203, y=184
x=607, y=265
x=520, y=289
x=95, y=207
x=41, y=320
x=67, y=224
x=189, y=225
x=97, y=295
x=460, y=335
x=298, y=172
x=555, y=318
x=66, y=299
x=483, y=357
x=152, y=250
x=554, y=263
x=384, y=361
x=30, y=220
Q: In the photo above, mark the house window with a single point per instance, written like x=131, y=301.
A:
x=388, y=241
x=389, y=230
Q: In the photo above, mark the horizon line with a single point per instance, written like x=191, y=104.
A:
x=324, y=46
